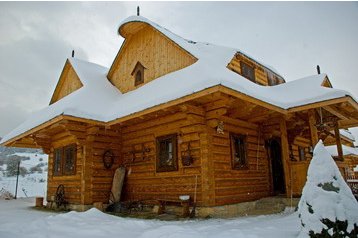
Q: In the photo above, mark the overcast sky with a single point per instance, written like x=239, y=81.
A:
x=36, y=38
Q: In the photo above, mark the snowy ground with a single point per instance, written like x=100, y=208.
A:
x=30, y=185
x=17, y=219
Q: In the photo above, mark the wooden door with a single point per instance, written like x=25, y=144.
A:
x=277, y=172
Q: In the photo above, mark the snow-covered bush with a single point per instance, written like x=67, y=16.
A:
x=327, y=207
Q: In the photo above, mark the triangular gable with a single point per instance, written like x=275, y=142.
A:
x=144, y=43
x=68, y=83
x=326, y=83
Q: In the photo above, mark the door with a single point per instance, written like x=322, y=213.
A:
x=277, y=173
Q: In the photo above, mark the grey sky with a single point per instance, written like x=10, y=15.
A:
x=36, y=39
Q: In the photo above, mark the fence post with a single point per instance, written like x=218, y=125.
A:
x=17, y=178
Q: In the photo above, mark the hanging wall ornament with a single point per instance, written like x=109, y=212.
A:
x=108, y=159
x=220, y=128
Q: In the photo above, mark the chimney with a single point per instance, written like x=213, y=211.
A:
x=73, y=53
x=137, y=10
x=318, y=69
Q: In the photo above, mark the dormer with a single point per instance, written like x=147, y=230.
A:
x=254, y=71
x=147, y=53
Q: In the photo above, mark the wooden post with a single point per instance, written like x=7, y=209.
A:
x=313, y=128
x=338, y=142
x=87, y=161
x=285, y=156
x=207, y=174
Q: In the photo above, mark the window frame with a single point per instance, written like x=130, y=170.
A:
x=61, y=163
x=242, y=66
x=234, y=164
x=138, y=68
x=174, y=140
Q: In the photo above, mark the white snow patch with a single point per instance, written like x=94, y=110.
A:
x=17, y=220
x=347, y=150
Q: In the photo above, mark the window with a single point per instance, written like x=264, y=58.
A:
x=302, y=153
x=138, y=73
x=238, y=151
x=247, y=71
x=65, y=160
x=167, y=159
x=273, y=80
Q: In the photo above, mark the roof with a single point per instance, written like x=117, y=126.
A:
x=347, y=150
x=99, y=100
x=347, y=134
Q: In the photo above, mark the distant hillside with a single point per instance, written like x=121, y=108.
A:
x=33, y=171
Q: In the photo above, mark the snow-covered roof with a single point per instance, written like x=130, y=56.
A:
x=99, y=100
x=347, y=150
x=347, y=134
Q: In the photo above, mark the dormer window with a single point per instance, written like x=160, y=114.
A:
x=247, y=71
x=138, y=73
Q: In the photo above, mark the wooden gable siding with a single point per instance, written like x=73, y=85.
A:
x=154, y=51
x=68, y=83
x=261, y=74
x=142, y=181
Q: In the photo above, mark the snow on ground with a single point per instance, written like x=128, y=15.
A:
x=30, y=185
x=18, y=220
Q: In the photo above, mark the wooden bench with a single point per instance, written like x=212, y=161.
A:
x=183, y=203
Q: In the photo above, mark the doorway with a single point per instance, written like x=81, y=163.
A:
x=277, y=172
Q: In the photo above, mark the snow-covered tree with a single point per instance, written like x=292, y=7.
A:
x=327, y=207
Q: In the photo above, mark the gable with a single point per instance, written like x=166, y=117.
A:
x=155, y=52
x=68, y=83
x=326, y=83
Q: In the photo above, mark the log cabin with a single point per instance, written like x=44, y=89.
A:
x=183, y=118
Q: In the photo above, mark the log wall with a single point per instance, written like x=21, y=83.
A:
x=142, y=180
x=72, y=183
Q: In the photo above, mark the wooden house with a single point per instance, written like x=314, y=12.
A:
x=182, y=116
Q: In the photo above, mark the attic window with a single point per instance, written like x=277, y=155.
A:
x=247, y=71
x=138, y=73
x=273, y=80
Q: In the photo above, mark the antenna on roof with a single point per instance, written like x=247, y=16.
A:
x=73, y=53
x=137, y=10
x=318, y=69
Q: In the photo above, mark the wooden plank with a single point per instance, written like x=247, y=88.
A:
x=319, y=104
x=312, y=125
x=335, y=112
x=285, y=157
x=337, y=135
